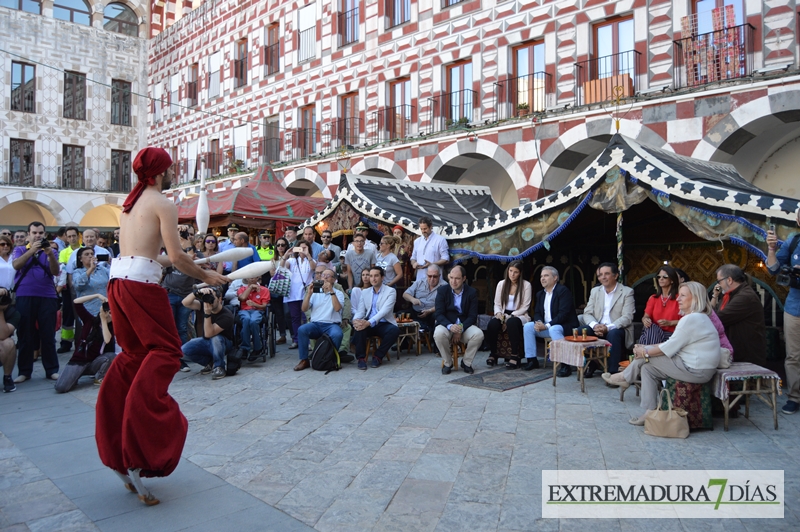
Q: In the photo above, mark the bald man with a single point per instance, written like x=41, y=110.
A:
x=241, y=240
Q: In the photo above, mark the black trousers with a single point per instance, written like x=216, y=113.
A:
x=35, y=311
x=514, y=330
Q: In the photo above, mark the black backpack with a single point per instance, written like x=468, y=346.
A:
x=325, y=356
x=233, y=361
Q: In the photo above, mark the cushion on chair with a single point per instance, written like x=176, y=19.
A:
x=695, y=399
x=503, y=346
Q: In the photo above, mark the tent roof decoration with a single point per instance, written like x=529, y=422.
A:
x=261, y=201
x=712, y=199
x=396, y=202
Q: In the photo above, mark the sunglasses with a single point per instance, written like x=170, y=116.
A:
x=4, y=245
x=280, y=245
x=211, y=241
x=663, y=277
x=187, y=250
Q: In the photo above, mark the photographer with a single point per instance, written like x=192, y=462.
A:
x=37, y=303
x=9, y=320
x=209, y=351
x=326, y=304
x=90, y=278
x=787, y=261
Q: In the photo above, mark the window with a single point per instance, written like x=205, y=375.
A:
x=527, y=91
x=28, y=6
x=614, y=47
x=21, y=163
x=77, y=11
x=23, y=87
x=307, y=35
x=703, y=11
x=348, y=126
x=74, y=95
x=214, y=75
x=448, y=3
x=272, y=148
x=214, y=161
x=460, y=98
x=348, y=22
x=399, y=115
x=191, y=86
x=398, y=12
x=121, y=171
x=120, y=102
x=307, y=136
x=72, y=165
x=272, y=51
x=158, y=103
x=240, y=64
x=119, y=18
x=174, y=94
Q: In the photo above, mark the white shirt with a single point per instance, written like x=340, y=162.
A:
x=7, y=273
x=510, y=304
x=608, y=298
x=548, y=300
x=428, y=251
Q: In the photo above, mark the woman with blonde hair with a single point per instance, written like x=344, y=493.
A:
x=691, y=354
x=512, y=300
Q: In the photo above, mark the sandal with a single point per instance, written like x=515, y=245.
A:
x=491, y=361
x=513, y=363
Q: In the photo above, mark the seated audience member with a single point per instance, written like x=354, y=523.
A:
x=661, y=314
x=741, y=312
x=347, y=311
x=457, y=320
x=512, y=301
x=422, y=296
x=209, y=351
x=9, y=320
x=609, y=315
x=553, y=316
x=355, y=292
x=253, y=299
x=94, y=355
x=375, y=317
x=690, y=355
x=326, y=306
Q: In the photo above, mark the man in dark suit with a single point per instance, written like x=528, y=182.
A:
x=457, y=320
x=553, y=314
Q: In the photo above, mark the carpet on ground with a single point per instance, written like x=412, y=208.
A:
x=502, y=379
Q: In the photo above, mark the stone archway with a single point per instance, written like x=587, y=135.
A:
x=306, y=182
x=103, y=215
x=378, y=166
x=477, y=149
x=44, y=204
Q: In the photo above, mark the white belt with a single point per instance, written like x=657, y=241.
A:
x=140, y=269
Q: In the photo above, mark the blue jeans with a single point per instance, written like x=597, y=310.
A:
x=204, y=351
x=556, y=332
x=181, y=315
x=251, y=324
x=315, y=329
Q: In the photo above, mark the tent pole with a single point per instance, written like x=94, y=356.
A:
x=619, y=248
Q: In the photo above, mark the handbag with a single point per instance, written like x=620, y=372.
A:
x=281, y=283
x=670, y=423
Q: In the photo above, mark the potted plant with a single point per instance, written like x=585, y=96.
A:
x=463, y=121
x=522, y=109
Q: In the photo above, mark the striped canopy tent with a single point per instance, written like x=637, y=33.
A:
x=711, y=199
x=383, y=203
x=263, y=203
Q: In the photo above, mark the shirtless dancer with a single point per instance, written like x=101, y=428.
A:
x=140, y=429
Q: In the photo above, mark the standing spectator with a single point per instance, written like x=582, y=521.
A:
x=61, y=238
x=278, y=305
x=302, y=267
x=429, y=249
x=6, y=232
x=115, y=245
x=102, y=241
x=253, y=299
x=388, y=262
x=37, y=303
x=20, y=238
x=265, y=249
x=89, y=241
x=233, y=228
x=357, y=260
x=363, y=230
x=789, y=256
x=209, y=249
x=327, y=243
x=290, y=234
x=7, y=271
x=179, y=285
x=310, y=238
x=67, y=310
x=89, y=279
x=9, y=321
x=241, y=240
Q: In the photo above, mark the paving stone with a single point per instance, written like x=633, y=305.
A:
x=420, y=496
x=437, y=467
x=74, y=521
x=471, y=516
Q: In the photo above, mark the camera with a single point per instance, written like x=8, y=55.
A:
x=184, y=235
x=45, y=243
x=5, y=299
x=317, y=287
x=106, y=308
x=206, y=297
x=789, y=277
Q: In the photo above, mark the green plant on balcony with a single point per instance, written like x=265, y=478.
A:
x=237, y=165
x=522, y=109
x=463, y=121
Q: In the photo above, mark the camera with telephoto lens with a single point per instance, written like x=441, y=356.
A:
x=317, y=287
x=207, y=297
x=5, y=299
x=789, y=277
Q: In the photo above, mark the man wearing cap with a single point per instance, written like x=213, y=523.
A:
x=265, y=249
x=225, y=245
x=290, y=234
x=363, y=230
x=140, y=430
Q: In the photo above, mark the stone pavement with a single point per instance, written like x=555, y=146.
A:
x=393, y=448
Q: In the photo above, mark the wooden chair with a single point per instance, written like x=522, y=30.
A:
x=373, y=343
x=457, y=349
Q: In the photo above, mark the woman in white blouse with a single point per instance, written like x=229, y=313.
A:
x=7, y=271
x=512, y=300
x=690, y=355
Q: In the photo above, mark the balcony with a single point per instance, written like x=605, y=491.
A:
x=522, y=95
x=307, y=44
x=348, y=27
x=719, y=55
x=393, y=123
x=239, y=72
x=449, y=110
x=598, y=79
x=344, y=132
x=191, y=93
x=303, y=142
x=272, y=59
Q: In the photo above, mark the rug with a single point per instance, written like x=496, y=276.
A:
x=502, y=379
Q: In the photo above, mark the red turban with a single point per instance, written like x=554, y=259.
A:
x=149, y=163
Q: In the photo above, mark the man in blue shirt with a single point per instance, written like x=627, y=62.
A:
x=789, y=255
x=308, y=236
x=225, y=245
x=240, y=240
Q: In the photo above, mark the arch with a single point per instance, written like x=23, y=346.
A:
x=301, y=175
x=575, y=149
x=77, y=11
x=19, y=208
x=383, y=166
x=472, y=147
x=120, y=18
x=100, y=212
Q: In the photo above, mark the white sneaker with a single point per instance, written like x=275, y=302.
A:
x=20, y=378
x=53, y=377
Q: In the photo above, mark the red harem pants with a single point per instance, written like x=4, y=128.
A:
x=139, y=425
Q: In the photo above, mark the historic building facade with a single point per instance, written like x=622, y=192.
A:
x=518, y=96
x=73, y=85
